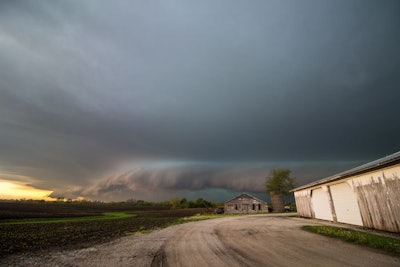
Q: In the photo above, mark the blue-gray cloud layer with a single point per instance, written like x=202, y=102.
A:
x=89, y=89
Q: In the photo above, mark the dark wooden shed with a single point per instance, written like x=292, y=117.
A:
x=245, y=204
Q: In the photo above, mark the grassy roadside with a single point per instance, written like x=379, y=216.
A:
x=194, y=218
x=202, y=217
x=363, y=238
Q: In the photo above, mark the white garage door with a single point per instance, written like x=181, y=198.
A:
x=345, y=203
x=320, y=202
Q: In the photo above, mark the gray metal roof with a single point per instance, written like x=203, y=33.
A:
x=373, y=165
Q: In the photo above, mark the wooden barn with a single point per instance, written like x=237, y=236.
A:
x=368, y=195
x=245, y=204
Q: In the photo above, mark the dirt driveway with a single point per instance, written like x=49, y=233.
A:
x=261, y=240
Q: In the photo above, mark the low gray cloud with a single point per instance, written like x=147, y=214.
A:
x=92, y=89
x=171, y=180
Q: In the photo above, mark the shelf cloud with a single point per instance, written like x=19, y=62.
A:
x=98, y=97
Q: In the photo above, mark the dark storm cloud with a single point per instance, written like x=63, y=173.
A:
x=164, y=182
x=96, y=88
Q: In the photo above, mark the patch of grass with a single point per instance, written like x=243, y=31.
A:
x=349, y=235
x=202, y=217
x=105, y=216
x=141, y=231
x=182, y=220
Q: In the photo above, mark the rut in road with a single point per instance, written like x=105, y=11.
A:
x=213, y=253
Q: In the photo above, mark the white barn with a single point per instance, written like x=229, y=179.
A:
x=368, y=195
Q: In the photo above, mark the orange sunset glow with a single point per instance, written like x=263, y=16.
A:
x=18, y=190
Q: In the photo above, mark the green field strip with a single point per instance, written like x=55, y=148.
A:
x=104, y=216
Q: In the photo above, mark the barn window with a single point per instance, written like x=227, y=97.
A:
x=236, y=207
x=254, y=206
x=259, y=206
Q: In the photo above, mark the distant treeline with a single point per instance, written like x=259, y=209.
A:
x=184, y=203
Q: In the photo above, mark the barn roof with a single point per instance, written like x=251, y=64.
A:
x=370, y=166
x=247, y=195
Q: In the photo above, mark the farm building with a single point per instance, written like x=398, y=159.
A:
x=368, y=195
x=245, y=204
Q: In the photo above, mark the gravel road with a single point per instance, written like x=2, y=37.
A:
x=261, y=240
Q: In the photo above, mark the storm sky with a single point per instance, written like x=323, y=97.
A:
x=112, y=100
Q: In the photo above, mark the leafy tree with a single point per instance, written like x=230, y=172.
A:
x=175, y=202
x=280, y=182
x=199, y=202
x=184, y=203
